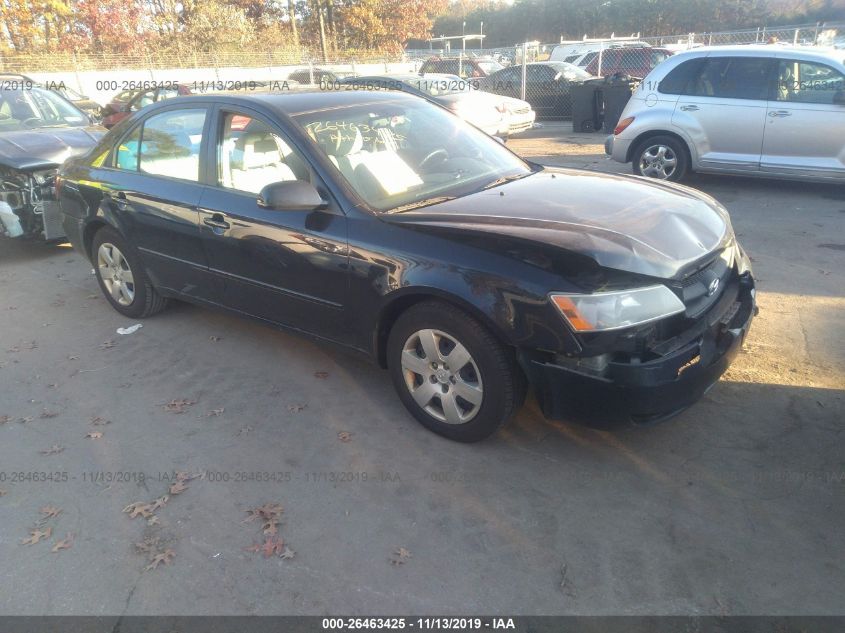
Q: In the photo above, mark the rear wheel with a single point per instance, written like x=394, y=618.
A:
x=122, y=278
x=451, y=373
x=661, y=157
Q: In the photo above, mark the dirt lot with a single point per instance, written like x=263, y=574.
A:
x=735, y=507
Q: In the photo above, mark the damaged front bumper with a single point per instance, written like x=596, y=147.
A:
x=649, y=391
x=28, y=205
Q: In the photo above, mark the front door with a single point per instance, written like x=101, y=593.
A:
x=288, y=267
x=805, y=126
x=724, y=111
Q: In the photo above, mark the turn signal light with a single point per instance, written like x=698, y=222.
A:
x=622, y=125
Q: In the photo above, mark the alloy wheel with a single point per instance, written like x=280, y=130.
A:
x=116, y=274
x=658, y=161
x=442, y=376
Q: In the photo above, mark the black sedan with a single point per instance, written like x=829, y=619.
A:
x=385, y=224
x=548, y=86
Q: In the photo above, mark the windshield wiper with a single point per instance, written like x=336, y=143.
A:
x=421, y=203
x=503, y=180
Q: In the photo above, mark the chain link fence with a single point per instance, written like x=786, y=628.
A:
x=527, y=71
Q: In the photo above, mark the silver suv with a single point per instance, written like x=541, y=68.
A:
x=750, y=110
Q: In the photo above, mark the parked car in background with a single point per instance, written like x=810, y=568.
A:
x=87, y=105
x=496, y=115
x=573, y=52
x=548, y=86
x=317, y=76
x=125, y=103
x=39, y=130
x=746, y=110
x=635, y=62
x=460, y=268
x=465, y=67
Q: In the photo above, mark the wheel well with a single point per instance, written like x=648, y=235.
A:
x=395, y=308
x=88, y=236
x=652, y=133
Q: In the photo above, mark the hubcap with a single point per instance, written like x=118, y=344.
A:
x=116, y=274
x=442, y=377
x=658, y=161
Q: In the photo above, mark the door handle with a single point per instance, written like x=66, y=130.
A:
x=779, y=113
x=216, y=221
x=689, y=108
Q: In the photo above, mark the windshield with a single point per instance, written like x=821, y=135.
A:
x=403, y=153
x=489, y=66
x=571, y=71
x=24, y=109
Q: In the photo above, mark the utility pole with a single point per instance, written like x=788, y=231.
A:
x=322, y=31
x=292, y=16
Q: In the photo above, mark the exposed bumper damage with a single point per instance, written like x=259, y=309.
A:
x=675, y=373
x=28, y=205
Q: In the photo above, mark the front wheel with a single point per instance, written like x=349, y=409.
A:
x=661, y=157
x=451, y=373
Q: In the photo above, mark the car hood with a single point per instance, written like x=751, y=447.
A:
x=30, y=149
x=625, y=223
x=474, y=98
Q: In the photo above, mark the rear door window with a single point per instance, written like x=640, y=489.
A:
x=679, y=80
x=808, y=82
x=170, y=144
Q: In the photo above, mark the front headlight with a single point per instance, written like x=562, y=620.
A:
x=603, y=311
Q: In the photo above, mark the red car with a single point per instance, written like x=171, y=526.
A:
x=633, y=61
x=129, y=101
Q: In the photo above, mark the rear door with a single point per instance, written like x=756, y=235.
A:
x=153, y=189
x=805, y=126
x=723, y=111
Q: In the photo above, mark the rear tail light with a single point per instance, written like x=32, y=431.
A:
x=624, y=123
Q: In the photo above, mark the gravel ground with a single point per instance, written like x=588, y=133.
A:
x=734, y=507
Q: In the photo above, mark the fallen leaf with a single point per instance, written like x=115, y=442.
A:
x=27, y=419
x=344, y=436
x=148, y=546
x=5, y=418
x=50, y=512
x=296, y=408
x=401, y=556
x=265, y=512
x=178, y=406
x=55, y=449
x=94, y=435
x=107, y=345
x=37, y=535
x=178, y=487
x=153, y=520
x=272, y=545
x=182, y=475
x=63, y=544
x=32, y=345
x=159, y=503
x=287, y=554
x=321, y=374
x=139, y=508
x=98, y=421
x=215, y=412
x=48, y=414
x=271, y=527
x=244, y=430
x=73, y=357
x=164, y=557
x=215, y=339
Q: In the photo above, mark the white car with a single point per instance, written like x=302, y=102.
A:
x=767, y=111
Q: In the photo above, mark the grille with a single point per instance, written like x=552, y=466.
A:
x=702, y=289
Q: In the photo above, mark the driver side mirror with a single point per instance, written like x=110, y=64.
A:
x=291, y=195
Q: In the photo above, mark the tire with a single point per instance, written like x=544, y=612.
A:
x=490, y=377
x=651, y=159
x=130, y=294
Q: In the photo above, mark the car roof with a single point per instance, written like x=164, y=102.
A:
x=769, y=50
x=298, y=101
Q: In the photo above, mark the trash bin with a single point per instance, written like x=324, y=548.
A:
x=616, y=92
x=587, y=105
